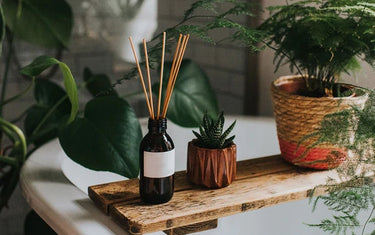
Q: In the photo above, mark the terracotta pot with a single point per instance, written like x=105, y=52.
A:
x=298, y=116
x=213, y=168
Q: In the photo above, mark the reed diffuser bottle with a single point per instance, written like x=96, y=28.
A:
x=157, y=163
x=156, y=154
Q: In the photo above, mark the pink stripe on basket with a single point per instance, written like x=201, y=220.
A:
x=316, y=158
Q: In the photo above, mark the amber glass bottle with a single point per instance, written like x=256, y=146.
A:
x=157, y=163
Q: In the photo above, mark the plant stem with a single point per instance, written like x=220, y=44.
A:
x=22, y=115
x=5, y=76
x=5, y=81
x=9, y=160
x=48, y=114
x=50, y=111
x=294, y=63
x=22, y=93
x=368, y=219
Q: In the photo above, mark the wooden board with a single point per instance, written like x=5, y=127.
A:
x=260, y=182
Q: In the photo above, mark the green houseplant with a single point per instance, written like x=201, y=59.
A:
x=352, y=202
x=52, y=25
x=211, y=157
x=321, y=40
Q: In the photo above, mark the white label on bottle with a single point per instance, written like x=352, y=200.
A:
x=158, y=164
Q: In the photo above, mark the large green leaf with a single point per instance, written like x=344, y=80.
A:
x=192, y=95
x=71, y=90
x=98, y=84
x=48, y=114
x=38, y=65
x=41, y=22
x=107, y=138
x=43, y=62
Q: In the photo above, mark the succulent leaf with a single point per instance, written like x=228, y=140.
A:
x=228, y=141
x=218, y=127
x=229, y=129
x=206, y=122
x=211, y=133
x=197, y=135
x=202, y=131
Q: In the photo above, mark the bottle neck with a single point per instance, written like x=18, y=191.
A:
x=157, y=126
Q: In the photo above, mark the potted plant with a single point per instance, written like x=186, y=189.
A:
x=211, y=158
x=321, y=40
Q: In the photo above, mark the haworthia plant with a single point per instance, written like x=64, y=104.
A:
x=211, y=133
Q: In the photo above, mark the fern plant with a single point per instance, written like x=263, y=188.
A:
x=322, y=39
x=202, y=20
x=211, y=134
x=352, y=129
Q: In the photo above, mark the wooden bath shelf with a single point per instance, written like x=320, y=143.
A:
x=259, y=182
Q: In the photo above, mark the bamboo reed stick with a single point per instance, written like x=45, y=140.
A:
x=178, y=65
x=161, y=73
x=169, y=85
x=174, y=71
x=140, y=75
x=175, y=68
x=149, y=79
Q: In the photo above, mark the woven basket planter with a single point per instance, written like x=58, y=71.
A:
x=212, y=168
x=298, y=116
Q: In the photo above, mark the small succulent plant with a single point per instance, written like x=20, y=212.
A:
x=211, y=133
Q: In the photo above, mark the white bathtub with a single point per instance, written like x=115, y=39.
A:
x=255, y=137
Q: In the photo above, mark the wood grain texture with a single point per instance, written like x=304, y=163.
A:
x=202, y=226
x=259, y=182
x=105, y=195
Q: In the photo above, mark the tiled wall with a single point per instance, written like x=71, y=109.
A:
x=225, y=65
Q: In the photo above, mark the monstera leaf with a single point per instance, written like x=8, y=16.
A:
x=192, y=95
x=107, y=138
x=40, y=22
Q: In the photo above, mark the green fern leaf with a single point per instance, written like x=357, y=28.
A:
x=372, y=220
x=338, y=225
